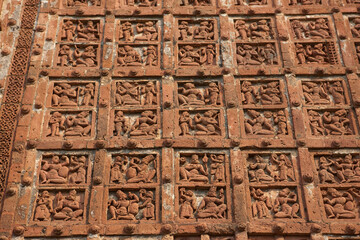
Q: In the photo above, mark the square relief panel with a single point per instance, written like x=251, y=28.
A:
x=81, y=3
x=138, y=4
x=255, y=54
x=138, y=30
x=137, y=55
x=196, y=29
x=77, y=55
x=197, y=55
x=309, y=3
x=80, y=30
x=253, y=29
x=251, y=3
x=196, y=3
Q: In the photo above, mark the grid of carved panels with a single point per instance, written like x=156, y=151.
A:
x=190, y=120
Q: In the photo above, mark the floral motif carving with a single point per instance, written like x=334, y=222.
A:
x=200, y=123
x=330, y=122
x=196, y=30
x=59, y=207
x=199, y=94
x=66, y=94
x=63, y=169
x=311, y=28
x=251, y=54
x=130, y=93
x=197, y=55
x=321, y=53
x=341, y=203
x=137, y=55
x=132, y=205
x=77, y=55
x=266, y=122
x=134, y=169
x=250, y=30
x=80, y=30
x=69, y=124
x=139, y=31
x=323, y=92
x=212, y=205
x=273, y=167
x=285, y=205
x=261, y=93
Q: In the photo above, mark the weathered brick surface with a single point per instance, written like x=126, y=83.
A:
x=180, y=119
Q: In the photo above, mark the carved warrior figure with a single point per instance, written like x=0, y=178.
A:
x=127, y=206
x=190, y=56
x=80, y=56
x=211, y=206
x=206, y=124
x=316, y=53
x=284, y=206
x=205, y=31
x=135, y=170
x=265, y=94
x=63, y=170
x=130, y=56
x=330, y=123
x=188, y=94
x=61, y=208
x=250, y=55
x=263, y=124
x=78, y=125
x=318, y=28
x=195, y=2
x=144, y=31
x=144, y=125
x=254, y=30
x=340, y=204
x=277, y=169
x=196, y=171
x=319, y=93
x=65, y=94
x=339, y=169
x=134, y=93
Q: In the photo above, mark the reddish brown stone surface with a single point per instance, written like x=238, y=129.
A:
x=186, y=119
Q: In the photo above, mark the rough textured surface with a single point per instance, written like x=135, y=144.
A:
x=186, y=119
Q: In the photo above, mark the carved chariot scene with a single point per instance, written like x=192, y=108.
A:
x=132, y=205
x=137, y=55
x=78, y=55
x=134, y=169
x=275, y=203
x=197, y=30
x=136, y=123
x=269, y=92
x=201, y=123
x=202, y=203
x=63, y=205
x=254, y=29
x=136, y=93
x=70, y=124
x=257, y=54
x=266, y=122
x=64, y=169
x=142, y=30
x=197, y=168
x=199, y=93
x=331, y=122
x=81, y=30
x=270, y=168
x=73, y=94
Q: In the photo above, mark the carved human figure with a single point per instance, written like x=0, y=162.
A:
x=68, y=31
x=147, y=198
x=190, y=95
x=212, y=206
x=337, y=92
x=212, y=94
x=260, y=29
x=55, y=171
x=187, y=201
x=121, y=124
x=315, y=94
x=185, y=32
x=270, y=94
x=77, y=170
x=195, y=2
x=260, y=171
x=185, y=123
x=126, y=207
x=126, y=32
x=285, y=205
x=249, y=93
x=299, y=29
x=339, y=205
x=88, y=94
x=261, y=204
x=150, y=54
x=319, y=28
x=326, y=173
x=118, y=169
x=145, y=125
x=90, y=32
x=128, y=56
x=85, y=58
x=205, y=31
x=139, y=171
x=73, y=3
x=312, y=54
x=127, y=93
x=44, y=207
x=64, y=95
x=304, y=2
x=56, y=122
x=205, y=55
x=150, y=93
x=258, y=124
x=346, y=169
x=246, y=55
x=77, y=126
x=242, y=30
x=217, y=168
x=284, y=167
x=281, y=121
x=356, y=28
x=194, y=171
x=66, y=56
x=337, y=123
x=68, y=208
x=316, y=123
x=146, y=32
x=207, y=124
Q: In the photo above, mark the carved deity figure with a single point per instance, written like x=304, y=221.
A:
x=318, y=28
x=204, y=32
x=260, y=171
x=145, y=125
x=285, y=205
x=44, y=207
x=126, y=32
x=355, y=29
x=248, y=55
x=190, y=95
x=185, y=123
x=194, y=171
x=77, y=170
x=337, y=123
x=206, y=124
x=68, y=208
x=64, y=95
x=187, y=201
x=150, y=54
x=188, y=56
x=118, y=169
x=139, y=171
x=269, y=94
x=212, y=205
x=66, y=57
x=339, y=205
x=134, y=93
x=261, y=203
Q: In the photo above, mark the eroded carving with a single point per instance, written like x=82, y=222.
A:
x=341, y=203
x=197, y=55
x=305, y=2
x=204, y=123
x=78, y=56
x=77, y=3
x=323, y=92
x=80, y=30
x=73, y=94
x=311, y=28
x=250, y=54
x=194, y=93
x=69, y=124
x=251, y=2
x=321, y=53
x=250, y=30
x=145, y=31
x=130, y=93
x=201, y=30
x=355, y=27
x=136, y=55
x=266, y=122
x=261, y=93
x=141, y=3
x=195, y=2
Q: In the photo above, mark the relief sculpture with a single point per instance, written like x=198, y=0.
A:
x=205, y=123
x=266, y=123
x=138, y=31
x=77, y=56
x=313, y=29
x=190, y=55
x=323, y=93
x=80, y=30
x=142, y=124
x=137, y=56
x=196, y=30
x=247, y=54
x=69, y=124
x=253, y=30
x=136, y=93
x=341, y=204
x=265, y=93
x=71, y=95
x=191, y=93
